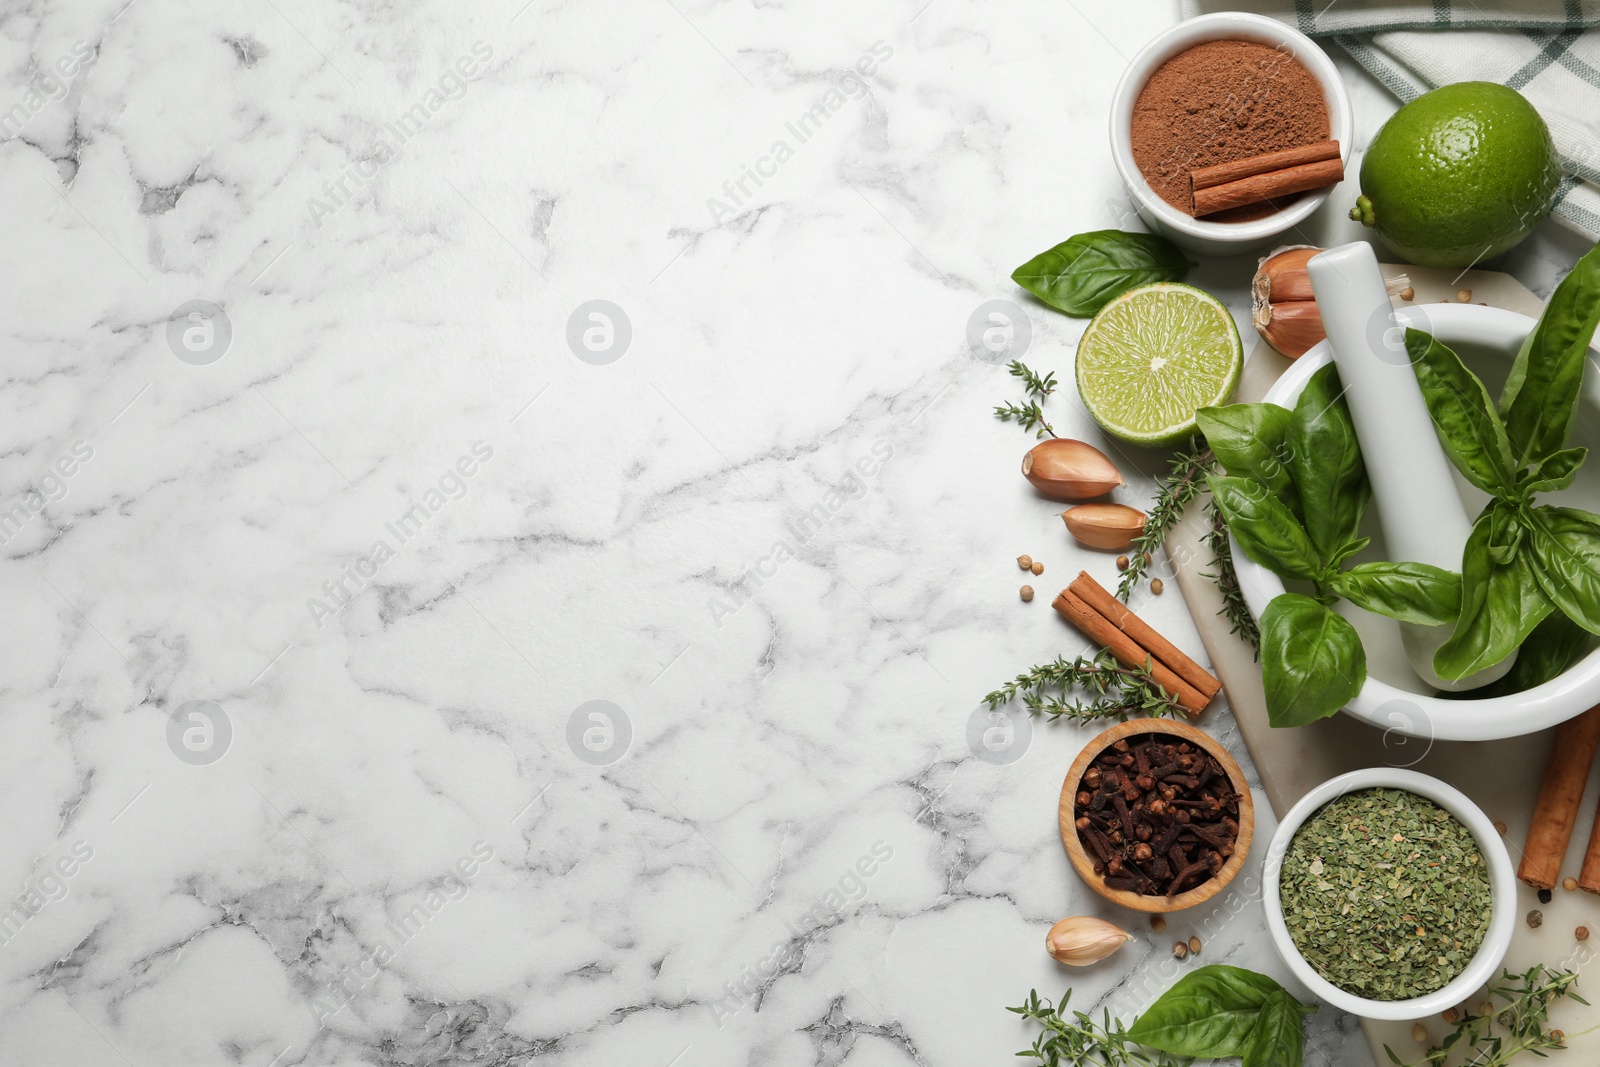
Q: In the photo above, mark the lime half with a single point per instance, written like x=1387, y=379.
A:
x=1153, y=357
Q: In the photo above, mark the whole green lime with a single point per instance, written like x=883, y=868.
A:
x=1458, y=175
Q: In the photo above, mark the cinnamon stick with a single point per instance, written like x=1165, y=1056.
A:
x=1268, y=186
x=1589, y=876
x=1128, y=652
x=1097, y=597
x=1223, y=173
x=1565, y=776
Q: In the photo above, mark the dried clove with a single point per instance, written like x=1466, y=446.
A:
x=1157, y=816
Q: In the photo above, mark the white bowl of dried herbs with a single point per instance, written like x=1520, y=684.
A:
x=1389, y=894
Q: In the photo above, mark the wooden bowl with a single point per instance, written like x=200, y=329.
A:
x=1084, y=864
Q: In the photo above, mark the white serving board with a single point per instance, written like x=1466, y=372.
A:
x=1501, y=776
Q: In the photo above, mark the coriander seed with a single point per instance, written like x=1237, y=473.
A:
x=1464, y=295
x=1500, y=828
x=1037, y=568
x=1122, y=563
x=1179, y=949
x=1451, y=1016
x=1419, y=1032
x=1535, y=919
x=1025, y=562
x=1156, y=586
x=1581, y=933
x=1026, y=592
x=1569, y=884
x=1408, y=293
x=1194, y=946
x=1158, y=923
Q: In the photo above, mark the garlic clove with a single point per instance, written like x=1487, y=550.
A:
x=1083, y=939
x=1283, y=277
x=1292, y=328
x=1063, y=469
x=1108, y=526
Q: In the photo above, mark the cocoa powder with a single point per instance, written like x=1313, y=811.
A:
x=1220, y=102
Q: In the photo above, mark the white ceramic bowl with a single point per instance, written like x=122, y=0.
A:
x=1394, y=698
x=1198, y=235
x=1502, y=886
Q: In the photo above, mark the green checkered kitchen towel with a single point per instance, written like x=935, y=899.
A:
x=1545, y=49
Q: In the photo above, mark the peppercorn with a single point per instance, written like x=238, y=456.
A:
x=1535, y=919
x=1026, y=592
x=1544, y=896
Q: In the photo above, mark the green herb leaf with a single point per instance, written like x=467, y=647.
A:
x=1325, y=463
x=1209, y=1013
x=1553, y=646
x=1410, y=592
x=1084, y=273
x=1266, y=530
x=1501, y=603
x=1542, y=391
x=1553, y=473
x=1312, y=662
x=1565, y=559
x=1251, y=441
x=1278, y=1038
x=1468, y=426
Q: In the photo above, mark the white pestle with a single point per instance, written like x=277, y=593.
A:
x=1419, y=509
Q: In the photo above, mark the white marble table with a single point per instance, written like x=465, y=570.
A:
x=311, y=596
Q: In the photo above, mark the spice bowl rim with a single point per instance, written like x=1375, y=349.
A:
x=1079, y=857
x=1502, y=893
x=1199, y=235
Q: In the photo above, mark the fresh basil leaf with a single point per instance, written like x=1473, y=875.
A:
x=1267, y=530
x=1410, y=592
x=1278, y=1038
x=1542, y=391
x=1564, y=547
x=1501, y=603
x=1325, y=464
x=1252, y=441
x=1084, y=273
x=1466, y=422
x=1553, y=646
x=1208, y=1013
x=1554, y=472
x=1312, y=662
x=1347, y=550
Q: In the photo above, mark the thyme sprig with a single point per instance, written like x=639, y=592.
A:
x=1523, y=1020
x=1030, y=415
x=1076, y=1040
x=1226, y=578
x=1116, y=691
x=1174, y=493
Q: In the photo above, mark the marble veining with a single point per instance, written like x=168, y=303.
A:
x=506, y=536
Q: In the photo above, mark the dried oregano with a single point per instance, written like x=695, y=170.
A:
x=1386, y=894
